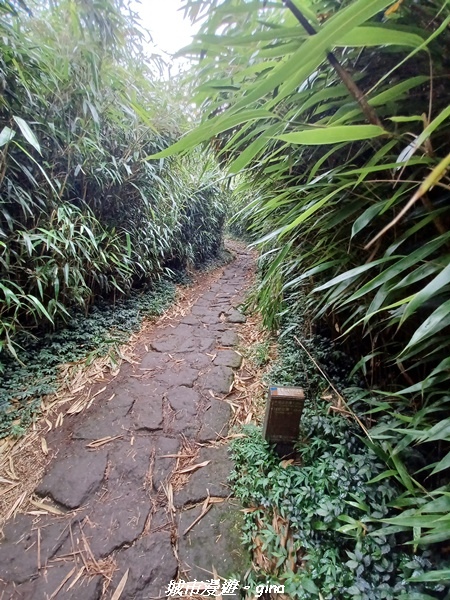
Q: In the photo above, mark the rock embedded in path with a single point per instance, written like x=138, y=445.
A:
x=122, y=401
x=228, y=358
x=184, y=401
x=17, y=558
x=229, y=338
x=162, y=464
x=190, y=320
x=183, y=343
x=177, y=375
x=130, y=462
x=151, y=563
x=87, y=588
x=198, y=360
x=109, y=418
x=184, y=331
x=210, y=320
x=117, y=519
x=219, y=327
x=201, y=310
x=214, y=542
x=207, y=481
x=99, y=425
x=153, y=361
x=234, y=316
x=147, y=409
x=215, y=421
x=219, y=379
x=72, y=480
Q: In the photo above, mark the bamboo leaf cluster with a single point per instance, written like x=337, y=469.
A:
x=82, y=214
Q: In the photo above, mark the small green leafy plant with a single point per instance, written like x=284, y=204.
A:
x=332, y=503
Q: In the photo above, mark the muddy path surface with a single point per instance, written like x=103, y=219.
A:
x=138, y=481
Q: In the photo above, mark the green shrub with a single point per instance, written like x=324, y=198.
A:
x=83, y=213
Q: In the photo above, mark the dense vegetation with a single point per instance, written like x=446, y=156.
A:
x=24, y=385
x=334, y=116
x=83, y=214
x=322, y=525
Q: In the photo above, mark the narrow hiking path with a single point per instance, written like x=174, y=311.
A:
x=134, y=506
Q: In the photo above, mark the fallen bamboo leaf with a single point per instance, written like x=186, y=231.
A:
x=12, y=511
x=78, y=575
x=200, y=516
x=7, y=481
x=39, y=548
x=11, y=487
x=121, y=586
x=79, y=388
x=77, y=407
x=193, y=467
x=169, y=495
x=103, y=441
x=47, y=507
x=216, y=577
x=176, y=456
x=12, y=472
x=44, y=446
x=61, y=585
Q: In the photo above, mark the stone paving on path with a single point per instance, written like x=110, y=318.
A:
x=117, y=516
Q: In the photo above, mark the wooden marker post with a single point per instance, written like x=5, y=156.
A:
x=282, y=421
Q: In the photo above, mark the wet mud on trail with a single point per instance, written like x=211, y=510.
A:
x=139, y=479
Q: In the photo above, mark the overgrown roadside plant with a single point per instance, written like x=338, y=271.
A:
x=313, y=524
x=82, y=213
x=336, y=115
x=84, y=216
x=25, y=384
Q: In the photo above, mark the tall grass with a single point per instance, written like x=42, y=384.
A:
x=82, y=213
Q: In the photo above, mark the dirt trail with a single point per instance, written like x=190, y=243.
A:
x=130, y=504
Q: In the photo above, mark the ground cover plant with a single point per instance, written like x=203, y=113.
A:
x=314, y=525
x=24, y=384
x=334, y=116
x=84, y=217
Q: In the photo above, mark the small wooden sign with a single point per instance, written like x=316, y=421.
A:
x=283, y=412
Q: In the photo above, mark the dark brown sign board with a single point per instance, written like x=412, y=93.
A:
x=282, y=421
